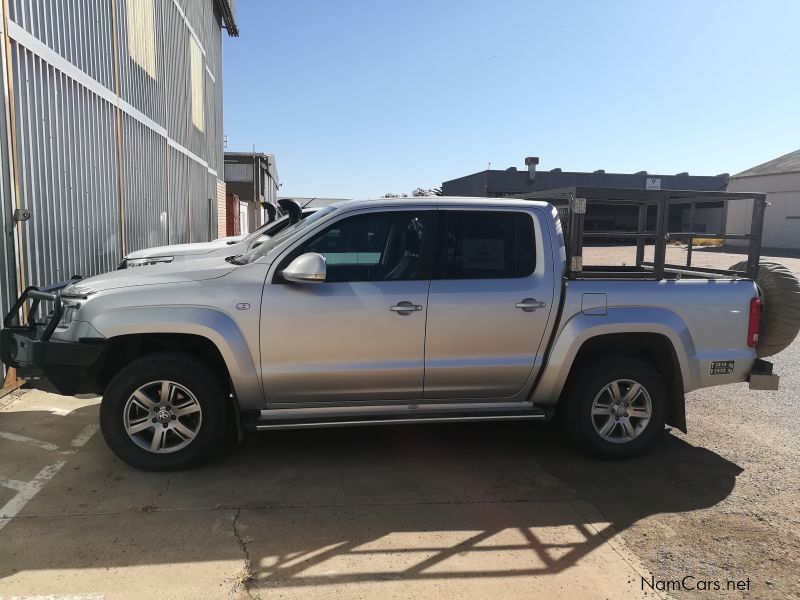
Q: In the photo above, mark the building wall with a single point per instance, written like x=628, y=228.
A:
x=781, y=218
x=495, y=182
x=111, y=132
x=249, y=177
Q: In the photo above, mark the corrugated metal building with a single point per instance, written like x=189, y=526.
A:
x=780, y=180
x=110, y=132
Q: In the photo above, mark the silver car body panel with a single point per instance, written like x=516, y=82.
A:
x=324, y=346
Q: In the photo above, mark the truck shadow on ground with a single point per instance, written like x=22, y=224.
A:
x=362, y=504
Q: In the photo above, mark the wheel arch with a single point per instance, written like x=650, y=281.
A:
x=654, y=349
x=658, y=336
x=205, y=332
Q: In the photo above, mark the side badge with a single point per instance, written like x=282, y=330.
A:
x=243, y=306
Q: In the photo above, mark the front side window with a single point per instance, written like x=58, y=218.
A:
x=381, y=246
x=487, y=245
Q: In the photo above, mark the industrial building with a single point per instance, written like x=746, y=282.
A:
x=110, y=132
x=251, y=178
x=512, y=182
x=780, y=180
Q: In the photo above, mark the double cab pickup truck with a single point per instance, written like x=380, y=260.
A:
x=412, y=310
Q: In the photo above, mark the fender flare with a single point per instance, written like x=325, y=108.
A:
x=206, y=322
x=582, y=327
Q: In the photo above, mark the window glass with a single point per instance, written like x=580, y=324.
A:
x=196, y=71
x=381, y=246
x=284, y=234
x=488, y=245
x=141, y=39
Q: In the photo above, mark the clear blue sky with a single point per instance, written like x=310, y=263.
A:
x=360, y=98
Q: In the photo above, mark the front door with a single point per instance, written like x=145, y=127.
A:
x=360, y=335
x=488, y=305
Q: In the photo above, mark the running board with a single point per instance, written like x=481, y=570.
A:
x=266, y=425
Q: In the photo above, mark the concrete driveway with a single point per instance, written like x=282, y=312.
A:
x=448, y=511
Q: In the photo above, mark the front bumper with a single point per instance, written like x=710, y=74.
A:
x=62, y=367
x=57, y=366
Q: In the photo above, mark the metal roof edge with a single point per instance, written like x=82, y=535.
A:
x=226, y=9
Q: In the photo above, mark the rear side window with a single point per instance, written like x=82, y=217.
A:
x=487, y=245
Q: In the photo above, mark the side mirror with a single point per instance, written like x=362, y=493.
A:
x=306, y=268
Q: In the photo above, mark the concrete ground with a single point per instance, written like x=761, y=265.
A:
x=504, y=510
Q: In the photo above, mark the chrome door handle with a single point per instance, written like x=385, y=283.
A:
x=530, y=304
x=405, y=307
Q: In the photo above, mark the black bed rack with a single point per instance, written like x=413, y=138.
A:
x=571, y=203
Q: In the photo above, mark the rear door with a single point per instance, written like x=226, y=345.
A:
x=489, y=303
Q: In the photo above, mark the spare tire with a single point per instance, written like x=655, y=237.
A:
x=780, y=297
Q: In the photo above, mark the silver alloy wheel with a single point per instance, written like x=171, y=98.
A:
x=162, y=416
x=621, y=411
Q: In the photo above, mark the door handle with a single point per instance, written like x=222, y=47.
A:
x=405, y=307
x=530, y=304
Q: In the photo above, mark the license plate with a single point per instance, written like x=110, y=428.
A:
x=722, y=367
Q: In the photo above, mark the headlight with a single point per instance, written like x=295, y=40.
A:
x=150, y=260
x=70, y=308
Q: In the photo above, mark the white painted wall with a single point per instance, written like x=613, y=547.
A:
x=781, y=219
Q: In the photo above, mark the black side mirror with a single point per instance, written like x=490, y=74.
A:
x=292, y=208
x=272, y=212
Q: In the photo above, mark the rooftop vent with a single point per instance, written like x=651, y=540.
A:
x=600, y=172
x=640, y=173
x=531, y=162
x=556, y=170
x=684, y=174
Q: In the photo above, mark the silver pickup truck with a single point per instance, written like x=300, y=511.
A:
x=390, y=311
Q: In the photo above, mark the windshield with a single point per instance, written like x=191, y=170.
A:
x=278, y=238
x=274, y=227
x=263, y=230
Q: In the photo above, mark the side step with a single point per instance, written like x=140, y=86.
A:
x=270, y=424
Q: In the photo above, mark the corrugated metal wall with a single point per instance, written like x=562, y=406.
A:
x=7, y=267
x=79, y=125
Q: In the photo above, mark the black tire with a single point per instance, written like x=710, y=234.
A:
x=588, y=383
x=187, y=372
x=780, y=317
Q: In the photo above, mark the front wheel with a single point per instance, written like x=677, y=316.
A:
x=615, y=408
x=164, y=412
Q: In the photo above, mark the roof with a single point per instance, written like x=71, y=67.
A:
x=227, y=9
x=441, y=201
x=493, y=182
x=606, y=195
x=788, y=163
x=269, y=159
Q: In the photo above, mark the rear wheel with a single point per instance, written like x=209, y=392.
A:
x=615, y=408
x=163, y=412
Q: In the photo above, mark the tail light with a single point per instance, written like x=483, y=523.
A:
x=754, y=324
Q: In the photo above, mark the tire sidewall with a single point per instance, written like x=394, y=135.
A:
x=584, y=389
x=190, y=373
